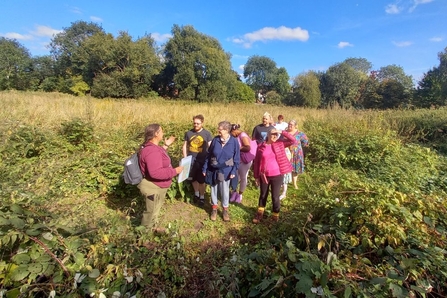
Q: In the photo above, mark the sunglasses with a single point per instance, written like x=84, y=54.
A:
x=197, y=123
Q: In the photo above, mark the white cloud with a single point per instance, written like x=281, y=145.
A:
x=269, y=33
x=392, y=9
x=236, y=56
x=241, y=67
x=436, y=39
x=344, y=44
x=402, y=44
x=160, y=37
x=45, y=31
x=418, y=2
x=95, y=19
x=18, y=36
x=76, y=10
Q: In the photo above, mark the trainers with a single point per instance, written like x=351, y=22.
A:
x=258, y=217
x=239, y=198
x=201, y=202
x=225, y=215
x=233, y=196
x=196, y=199
x=281, y=197
x=213, y=216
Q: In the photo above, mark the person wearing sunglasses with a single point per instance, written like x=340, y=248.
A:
x=269, y=167
x=196, y=143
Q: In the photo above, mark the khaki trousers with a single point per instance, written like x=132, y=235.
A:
x=154, y=197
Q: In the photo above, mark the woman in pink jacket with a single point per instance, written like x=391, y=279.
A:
x=269, y=167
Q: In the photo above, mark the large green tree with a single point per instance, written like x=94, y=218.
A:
x=15, y=65
x=117, y=67
x=281, y=84
x=65, y=44
x=359, y=64
x=199, y=66
x=260, y=73
x=341, y=85
x=305, y=91
x=432, y=89
x=396, y=73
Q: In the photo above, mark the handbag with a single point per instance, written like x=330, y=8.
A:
x=247, y=157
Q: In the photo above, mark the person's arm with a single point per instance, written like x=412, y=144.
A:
x=254, y=134
x=288, y=139
x=168, y=142
x=236, y=158
x=245, y=143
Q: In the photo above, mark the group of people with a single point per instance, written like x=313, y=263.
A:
x=274, y=152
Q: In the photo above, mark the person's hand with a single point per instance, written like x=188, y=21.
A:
x=276, y=131
x=204, y=174
x=232, y=176
x=179, y=169
x=169, y=141
x=257, y=182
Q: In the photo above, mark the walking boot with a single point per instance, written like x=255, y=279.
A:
x=226, y=215
x=258, y=216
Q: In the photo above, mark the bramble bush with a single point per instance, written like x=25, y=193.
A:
x=369, y=220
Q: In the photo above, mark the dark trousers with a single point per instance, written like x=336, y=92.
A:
x=274, y=184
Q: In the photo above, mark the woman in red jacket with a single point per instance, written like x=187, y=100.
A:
x=155, y=164
x=269, y=167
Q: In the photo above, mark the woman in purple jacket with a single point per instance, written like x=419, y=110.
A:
x=269, y=167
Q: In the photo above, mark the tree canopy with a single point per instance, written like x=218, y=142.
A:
x=201, y=69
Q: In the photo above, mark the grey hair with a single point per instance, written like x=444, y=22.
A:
x=293, y=121
x=225, y=125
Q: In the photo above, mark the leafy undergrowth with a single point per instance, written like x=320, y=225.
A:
x=368, y=220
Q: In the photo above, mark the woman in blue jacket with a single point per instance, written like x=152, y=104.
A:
x=220, y=167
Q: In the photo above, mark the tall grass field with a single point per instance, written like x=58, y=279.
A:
x=369, y=218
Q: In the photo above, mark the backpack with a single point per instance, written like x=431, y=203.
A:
x=132, y=173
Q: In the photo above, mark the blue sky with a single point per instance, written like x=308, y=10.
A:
x=298, y=35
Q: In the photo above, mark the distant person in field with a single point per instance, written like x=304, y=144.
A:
x=196, y=143
x=220, y=167
x=297, y=151
x=155, y=164
x=269, y=167
x=281, y=124
x=260, y=131
x=247, y=153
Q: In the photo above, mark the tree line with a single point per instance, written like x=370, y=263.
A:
x=84, y=59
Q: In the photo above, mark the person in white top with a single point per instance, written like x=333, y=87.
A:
x=281, y=124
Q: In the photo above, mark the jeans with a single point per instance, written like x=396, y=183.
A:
x=222, y=188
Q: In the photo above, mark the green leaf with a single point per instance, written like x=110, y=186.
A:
x=33, y=232
x=21, y=259
x=378, y=280
x=347, y=292
x=35, y=268
x=94, y=273
x=20, y=273
x=18, y=223
x=16, y=209
x=4, y=221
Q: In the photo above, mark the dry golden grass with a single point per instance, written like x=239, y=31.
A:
x=51, y=109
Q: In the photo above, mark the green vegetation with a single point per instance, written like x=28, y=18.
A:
x=368, y=220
